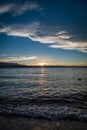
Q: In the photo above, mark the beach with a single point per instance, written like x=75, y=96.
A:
x=22, y=123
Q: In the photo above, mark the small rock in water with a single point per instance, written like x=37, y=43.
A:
x=79, y=79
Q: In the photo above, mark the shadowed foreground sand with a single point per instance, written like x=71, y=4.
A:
x=20, y=123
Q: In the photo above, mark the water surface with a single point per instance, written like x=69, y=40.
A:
x=47, y=92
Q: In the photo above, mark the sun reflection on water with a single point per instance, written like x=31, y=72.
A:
x=42, y=81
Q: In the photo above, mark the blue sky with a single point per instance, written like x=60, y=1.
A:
x=53, y=32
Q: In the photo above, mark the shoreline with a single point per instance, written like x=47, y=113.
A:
x=26, y=123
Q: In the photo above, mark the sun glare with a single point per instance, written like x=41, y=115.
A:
x=42, y=64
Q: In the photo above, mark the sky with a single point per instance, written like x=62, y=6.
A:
x=43, y=32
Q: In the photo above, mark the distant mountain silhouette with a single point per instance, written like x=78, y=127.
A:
x=7, y=64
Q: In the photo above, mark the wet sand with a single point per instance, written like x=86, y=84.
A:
x=22, y=123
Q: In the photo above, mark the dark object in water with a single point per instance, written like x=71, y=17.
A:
x=79, y=79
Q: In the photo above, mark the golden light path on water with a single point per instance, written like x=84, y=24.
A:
x=42, y=81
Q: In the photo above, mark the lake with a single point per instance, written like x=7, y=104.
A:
x=45, y=92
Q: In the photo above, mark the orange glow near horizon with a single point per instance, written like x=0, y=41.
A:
x=49, y=62
x=42, y=64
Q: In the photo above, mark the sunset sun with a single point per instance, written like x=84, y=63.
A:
x=42, y=64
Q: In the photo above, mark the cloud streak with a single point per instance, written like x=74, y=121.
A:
x=6, y=8
x=57, y=40
x=25, y=7
x=19, y=58
x=18, y=8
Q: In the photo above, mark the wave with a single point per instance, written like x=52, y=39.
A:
x=77, y=100
x=52, y=108
x=43, y=112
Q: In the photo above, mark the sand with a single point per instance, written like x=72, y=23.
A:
x=22, y=123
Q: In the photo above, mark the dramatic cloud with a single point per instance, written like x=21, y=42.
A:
x=80, y=46
x=57, y=40
x=28, y=30
x=20, y=58
x=18, y=8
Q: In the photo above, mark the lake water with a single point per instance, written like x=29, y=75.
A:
x=45, y=92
